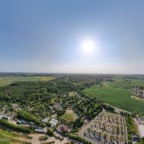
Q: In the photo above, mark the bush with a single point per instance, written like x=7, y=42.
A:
x=76, y=137
x=50, y=132
x=130, y=127
x=43, y=138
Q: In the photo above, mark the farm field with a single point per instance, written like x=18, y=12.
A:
x=7, y=137
x=117, y=93
x=6, y=80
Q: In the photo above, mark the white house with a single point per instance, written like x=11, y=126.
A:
x=53, y=122
x=40, y=130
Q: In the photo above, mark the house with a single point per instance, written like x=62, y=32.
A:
x=52, y=111
x=24, y=122
x=135, y=139
x=6, y=117
x=40, y=130
x=141, y=131
x=31, y=123
x=18, y=122
x=1, y=116
x=63, y=128
x=53, y=122
x=58, y=107
x=45, y=120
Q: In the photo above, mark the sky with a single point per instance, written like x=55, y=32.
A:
x=47, y=36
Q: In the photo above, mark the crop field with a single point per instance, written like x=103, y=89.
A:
x=117, y=93
x=6, y=80
x=7, y=137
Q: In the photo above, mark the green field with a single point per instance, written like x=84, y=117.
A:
x=72, y=93
x=6, y=80
x=117, y=93
x=69, y=116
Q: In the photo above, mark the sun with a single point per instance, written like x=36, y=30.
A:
x=88, y=46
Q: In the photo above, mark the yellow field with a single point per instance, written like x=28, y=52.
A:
x=6, y=80
x=46, y=78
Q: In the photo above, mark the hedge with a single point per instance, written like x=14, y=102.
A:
x=14, y=127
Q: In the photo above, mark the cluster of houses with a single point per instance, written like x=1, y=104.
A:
x=61, y=128
x=139, y=92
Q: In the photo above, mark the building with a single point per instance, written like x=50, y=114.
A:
x=53, y=122
x=40, y=130
x=58, y=107
x=141, y=130
x=45, y=120
x=135, y=139
x=6, y=117
x=18, y=122
x=24, y=122
x=63, y=128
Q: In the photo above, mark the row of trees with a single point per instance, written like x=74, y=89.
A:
x=78, y=138
x=14, y=127
x=30, y=117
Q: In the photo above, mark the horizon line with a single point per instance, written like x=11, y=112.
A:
x=70, y=73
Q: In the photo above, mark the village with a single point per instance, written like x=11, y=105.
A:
x=105, y=127
x=138, y=92
x=68, y=117
x=60, y=121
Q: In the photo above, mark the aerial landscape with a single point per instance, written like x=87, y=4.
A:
x=71, y=72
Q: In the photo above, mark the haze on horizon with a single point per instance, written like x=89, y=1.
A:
x=46, y=36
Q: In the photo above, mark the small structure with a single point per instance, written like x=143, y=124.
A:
x=1, y=116
x=63, y=128
x=135, y=139
x=24, y=122
x=18, y=122
x=141, y=130
x=40, y=130
x=45, y=120
x=58, y=107
x=53, y=122
x=6, y=117
x=31, y=123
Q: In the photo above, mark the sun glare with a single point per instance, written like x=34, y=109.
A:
x=88, y=46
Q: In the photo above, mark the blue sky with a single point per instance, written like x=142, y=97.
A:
x=45, y=36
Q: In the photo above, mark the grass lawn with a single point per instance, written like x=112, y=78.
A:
x=69, y=116
x=7, y=137
x=6, y=80
x=72, y=93
x=118, y=94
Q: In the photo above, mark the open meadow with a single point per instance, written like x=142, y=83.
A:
x=7, y=137
x=117, y=93
x=69, y=116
